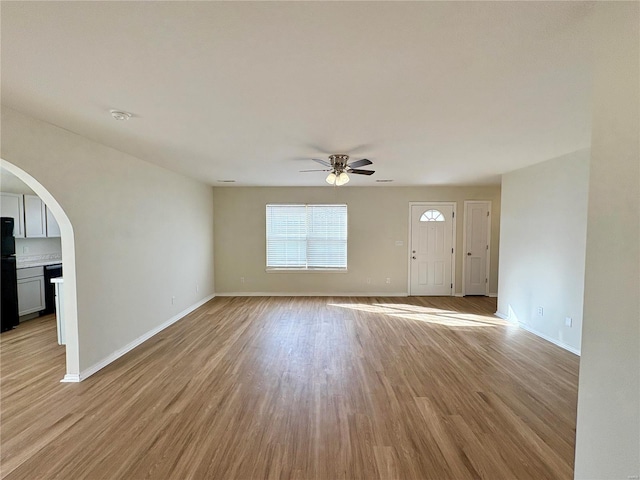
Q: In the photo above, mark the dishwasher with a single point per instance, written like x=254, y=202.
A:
x=50, y=271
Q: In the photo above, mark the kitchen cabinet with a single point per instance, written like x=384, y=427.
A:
x=53, y=229
x=35, y=217
x=31, y=294
x=32, y=219
x=12, y=205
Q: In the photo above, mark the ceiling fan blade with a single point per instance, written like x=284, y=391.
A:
x=327, y=170
x=360, y=163
x=323, y=162
x=362, y=172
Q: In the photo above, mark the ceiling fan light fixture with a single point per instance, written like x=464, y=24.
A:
x=331, y=178
x=338, y=166
x=342, y=179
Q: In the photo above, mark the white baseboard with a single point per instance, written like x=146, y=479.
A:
x=492, y=295
x=71, y=378
x=312, y=294
x=131, y=345
x=549, y=339
x=526, y=327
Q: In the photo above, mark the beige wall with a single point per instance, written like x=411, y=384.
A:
x=608, y=427
x=378, y=217
x=142, y=233
x=542, y=247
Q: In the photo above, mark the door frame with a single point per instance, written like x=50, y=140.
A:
x=453, y=242
x=464, y=247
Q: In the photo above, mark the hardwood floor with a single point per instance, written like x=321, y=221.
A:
x=304, y=388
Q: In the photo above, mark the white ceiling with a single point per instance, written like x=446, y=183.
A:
x=433, y=93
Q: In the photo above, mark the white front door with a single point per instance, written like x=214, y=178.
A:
x=431, y=249
x=476, y=254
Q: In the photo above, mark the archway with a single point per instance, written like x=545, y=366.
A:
x=69, y=262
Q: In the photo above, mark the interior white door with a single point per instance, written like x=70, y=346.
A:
x=476, y=277
x=431, y=249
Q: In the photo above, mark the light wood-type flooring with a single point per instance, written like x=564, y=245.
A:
x=304, y=388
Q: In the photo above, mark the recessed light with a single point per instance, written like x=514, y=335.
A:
x=226, y=181
x=384, y=181
x=119, y=115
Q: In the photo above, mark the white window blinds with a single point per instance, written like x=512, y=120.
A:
x=307, y=236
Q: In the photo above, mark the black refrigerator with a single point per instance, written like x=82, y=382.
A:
x=8, y=279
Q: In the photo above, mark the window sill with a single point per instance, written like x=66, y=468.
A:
x=306, y=270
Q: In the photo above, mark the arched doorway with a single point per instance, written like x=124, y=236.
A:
x=69, y=262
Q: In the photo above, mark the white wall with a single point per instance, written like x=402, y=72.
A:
x=142, y=233
x=37, y=246
x=608, y=427
x=542, y=247
x=377, y=216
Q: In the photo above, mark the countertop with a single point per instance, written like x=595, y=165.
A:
x=26, y=261
x=37, y=264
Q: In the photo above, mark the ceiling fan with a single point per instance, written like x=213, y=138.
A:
x=339, y=167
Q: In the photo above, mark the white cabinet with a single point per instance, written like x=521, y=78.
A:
x=53, y=229
x=30, y=290
x=11, y=205
x=32, y=219
x=35, y=217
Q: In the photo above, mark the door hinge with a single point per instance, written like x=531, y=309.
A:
x=453, y=214
x=487, y=214
x=487, y=247
x=486, y=280
x=452, y=250
x=452, y=285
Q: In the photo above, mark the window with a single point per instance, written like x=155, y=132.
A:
x=432, y=216
x=307, y=237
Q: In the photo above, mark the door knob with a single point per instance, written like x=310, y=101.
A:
x=468, y=254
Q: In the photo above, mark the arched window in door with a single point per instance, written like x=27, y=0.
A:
x=432, y=216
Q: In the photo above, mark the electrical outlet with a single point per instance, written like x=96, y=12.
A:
x=241, y=279
x=388, y=280
x=25, y=249
x=197, y=288
x=173, y=300
x=540, y=312
x=368, y=280
x=568, y=321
